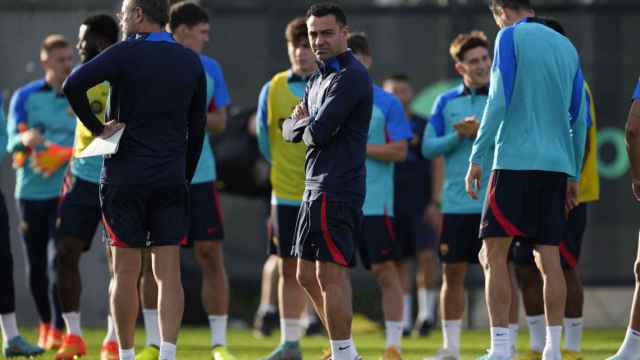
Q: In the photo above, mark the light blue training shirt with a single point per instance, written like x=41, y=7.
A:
x=441, y=138
x=536, y=111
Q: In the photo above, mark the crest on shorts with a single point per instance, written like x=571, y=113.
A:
x=96, y=107
x=444, y=249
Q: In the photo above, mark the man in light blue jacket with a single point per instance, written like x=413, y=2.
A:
x=450, y=133
x=536, y=119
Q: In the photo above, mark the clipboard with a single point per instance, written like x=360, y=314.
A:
x=102, y=147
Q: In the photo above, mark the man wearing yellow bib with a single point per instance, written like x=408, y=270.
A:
x=278, y=98
x=79, y=210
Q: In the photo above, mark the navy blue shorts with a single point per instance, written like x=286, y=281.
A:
x=377, y=241
x=326, y=230
x=528, y=204
x=570, y=246
x=283, y=230
x=205, y=214
x=413, y=234
x=79, y=210
x=139, y=216
x=460, y=242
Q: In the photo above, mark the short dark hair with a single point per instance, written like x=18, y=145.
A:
x=358, y=43
x=296, y=31
x=187, y=13
x=51, y=43
x=465, y=42
x=155, y=10
x=511, y=4
x=103, y=26
x=327, y=8
x=398, y=77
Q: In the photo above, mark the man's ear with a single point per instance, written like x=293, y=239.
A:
x=460, y=69
x=346, y=29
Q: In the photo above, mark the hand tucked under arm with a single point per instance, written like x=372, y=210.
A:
x=390, y=152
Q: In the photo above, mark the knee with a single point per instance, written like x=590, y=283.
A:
x=67, y=253
x=453, y=274
x=306, y=279
x=208, y=255
x=328, y=277
x=636, y=270
x=548, y=262
x=385, y=274
x=289, y=269
x=493, y=256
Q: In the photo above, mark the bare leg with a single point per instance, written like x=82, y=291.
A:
x=555, y=290
x=215, y=287
x=427, y=274
x=513, y=309
x=531, y=285
x=166, y=269
x=634, y=320
x=390, y=284
x=148, y=286
x=124, y=298
x=575, y=294
x=496, y=275
x=307, y=279
x=290, y=293
x=452, y=292
x=268, y=291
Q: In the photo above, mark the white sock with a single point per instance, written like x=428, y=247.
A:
x=552, y=346
x=72, y=321
x=291, y=330
x=312, y=317
x=573, y=334
x=537, y=330
x=8, y=326
x=343, y=349
x=451, y=334
x=111, y=330
x=151, y=326
x=432, y=302
x=423, y=310
x=167, y=351
x=393, y=330
x=500, y=342
x=127, y=354
x=513, y=330
x=407, y=311
x=218, y=326
x=631, y=345
x=266, y=308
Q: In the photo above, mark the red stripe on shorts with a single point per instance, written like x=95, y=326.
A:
x=568, y=256
x=333, y=249
x=506, y=225
x=216, y=202
x=114, y=238
x=391, y=230
x=66, y=186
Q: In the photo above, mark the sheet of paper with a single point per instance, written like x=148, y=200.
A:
x=103, y=147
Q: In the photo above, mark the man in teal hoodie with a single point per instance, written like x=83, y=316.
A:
x=536, y=119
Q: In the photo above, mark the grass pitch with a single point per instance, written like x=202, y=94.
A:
x=194, y=343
